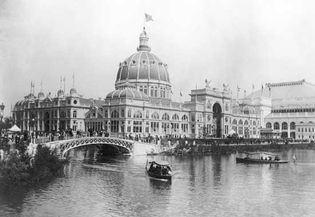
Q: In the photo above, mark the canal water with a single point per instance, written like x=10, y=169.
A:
x=201, y=186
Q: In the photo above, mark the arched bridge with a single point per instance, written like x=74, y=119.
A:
x=63, y=146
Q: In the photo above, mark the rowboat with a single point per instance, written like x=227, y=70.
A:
x=158, y=170
x=260, y=158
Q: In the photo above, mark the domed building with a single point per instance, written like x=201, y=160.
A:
x=141, y=104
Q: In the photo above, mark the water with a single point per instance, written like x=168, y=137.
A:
x=201, y=186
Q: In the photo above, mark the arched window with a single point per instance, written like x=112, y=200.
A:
x=165, y=117
x=268, y=125
x=155, y=116
x=284, y=126
x=254, y=123
x=292, y=126
x=246, y=122
x=137, y=114
x=129, y=113
x=234, y=122
x=114, y=114
x=175, y=117
x=184, y=118
x=240, y=122
x=276, y=126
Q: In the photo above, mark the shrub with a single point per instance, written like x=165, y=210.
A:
x=19, y=170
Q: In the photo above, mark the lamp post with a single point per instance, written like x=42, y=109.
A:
x=32, y=131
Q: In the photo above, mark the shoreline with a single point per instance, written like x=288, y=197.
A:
x=205, y=149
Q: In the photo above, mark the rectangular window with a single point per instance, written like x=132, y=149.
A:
x=114, y=126
x=152, y=92
x=137, y=126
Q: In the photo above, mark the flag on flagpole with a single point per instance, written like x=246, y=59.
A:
x=148, y=17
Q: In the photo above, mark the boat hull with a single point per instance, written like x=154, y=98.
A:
x=259, y=161
x=158, y=176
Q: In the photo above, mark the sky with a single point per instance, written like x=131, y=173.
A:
x=240, y=43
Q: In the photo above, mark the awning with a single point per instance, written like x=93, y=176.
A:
x=14, y=129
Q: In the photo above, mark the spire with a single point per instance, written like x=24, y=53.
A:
x=73, y=80
x=41, y=86
x=32, y=88
x=143, y=41
x=64, y=84
x=60, y=84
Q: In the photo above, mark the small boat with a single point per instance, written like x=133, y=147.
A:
x=153, y=152
x=159, y=170
x=260, y=158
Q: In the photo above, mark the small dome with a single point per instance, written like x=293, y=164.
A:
x=41, y=95
x=127, y=94
x=73, y=91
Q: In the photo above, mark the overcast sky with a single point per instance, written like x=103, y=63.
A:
x=226, y=41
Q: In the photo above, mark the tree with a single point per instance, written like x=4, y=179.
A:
x=7, y=123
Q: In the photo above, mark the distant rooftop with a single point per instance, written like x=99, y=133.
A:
x=293, y=90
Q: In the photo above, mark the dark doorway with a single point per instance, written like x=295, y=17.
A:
x=284, y=135
x=217, y=115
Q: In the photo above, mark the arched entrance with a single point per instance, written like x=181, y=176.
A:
x=217, y=115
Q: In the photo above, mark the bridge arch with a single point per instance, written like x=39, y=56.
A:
x=121, y=145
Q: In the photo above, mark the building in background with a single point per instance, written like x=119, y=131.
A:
x=141, y=105
x=47, y=113
x=293, y=109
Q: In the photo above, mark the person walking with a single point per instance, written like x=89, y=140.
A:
x=294, y=158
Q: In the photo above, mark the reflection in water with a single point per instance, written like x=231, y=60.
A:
x=160, y=185
x=201, y=186
x=216, y=168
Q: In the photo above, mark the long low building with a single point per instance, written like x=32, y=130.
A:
x=293, y=109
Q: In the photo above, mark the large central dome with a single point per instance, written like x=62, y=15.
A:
x=143, y=66
x=145, y=70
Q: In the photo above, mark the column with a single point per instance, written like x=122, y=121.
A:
x=222, y=125
x=289, y=130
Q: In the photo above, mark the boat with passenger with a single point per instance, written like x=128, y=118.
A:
x=260, y=158
x=159, y=170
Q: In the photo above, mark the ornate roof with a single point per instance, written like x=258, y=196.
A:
x=127, y=93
